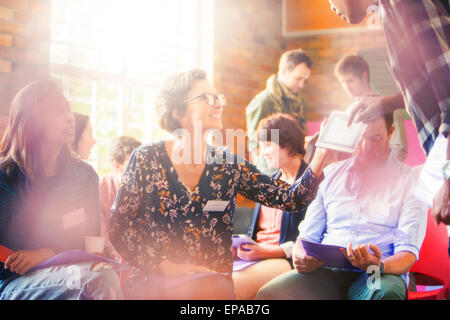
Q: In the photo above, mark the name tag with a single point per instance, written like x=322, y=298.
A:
x=74, y=218
x=216, y=205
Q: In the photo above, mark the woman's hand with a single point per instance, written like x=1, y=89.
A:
x=23, y=260
x=252, y=252
x=170, y=269
x=322, y=157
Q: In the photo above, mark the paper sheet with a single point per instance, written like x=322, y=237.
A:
x=239, y=265
x=78, y=256
x=240, y=239
x=331, y=255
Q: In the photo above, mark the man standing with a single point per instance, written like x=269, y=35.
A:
x=352, y=71
x=417, y=36
x=280, y=96
x=365, y=204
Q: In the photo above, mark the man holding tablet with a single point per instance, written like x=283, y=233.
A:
x=361, y=200
x=417, y=40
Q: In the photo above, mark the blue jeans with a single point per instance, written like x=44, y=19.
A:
x=84, y=281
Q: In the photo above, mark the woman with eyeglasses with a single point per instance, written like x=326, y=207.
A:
x=172, y=219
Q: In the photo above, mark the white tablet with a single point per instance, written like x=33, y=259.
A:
x=337, y=136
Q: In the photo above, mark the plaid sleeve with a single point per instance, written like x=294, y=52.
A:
x=429, y=22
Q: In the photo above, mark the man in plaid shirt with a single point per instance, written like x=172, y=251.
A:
x=417, y=34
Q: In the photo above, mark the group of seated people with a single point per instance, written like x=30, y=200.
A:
x=157, y=223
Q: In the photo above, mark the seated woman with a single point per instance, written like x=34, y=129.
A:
x=273, y=229
x=84, y=141
x=48, y=202
x=160, y=224
x=120, y=152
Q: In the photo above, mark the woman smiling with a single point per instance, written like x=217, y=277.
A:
x=160, y=224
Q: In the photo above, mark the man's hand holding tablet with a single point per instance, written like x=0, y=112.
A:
x=302, y=262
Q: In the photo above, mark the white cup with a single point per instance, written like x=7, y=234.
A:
x=94, y=244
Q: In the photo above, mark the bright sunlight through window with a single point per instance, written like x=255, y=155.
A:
x=112, y=55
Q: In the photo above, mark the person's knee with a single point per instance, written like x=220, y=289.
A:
x=278, y=288
x=103, y=284
x=390, y=289
x=206, y=288
x=266, y=292
x=223, y=289
x=228, y=293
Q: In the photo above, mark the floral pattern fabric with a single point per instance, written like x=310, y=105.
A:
x=156, y=216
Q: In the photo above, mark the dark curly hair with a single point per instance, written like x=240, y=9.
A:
x=171, y=97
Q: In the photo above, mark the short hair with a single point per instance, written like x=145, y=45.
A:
x=354, y=64
x=122, y=147
x=81, y=121
x=292, y=58
x=291, y=136
x=172, y=95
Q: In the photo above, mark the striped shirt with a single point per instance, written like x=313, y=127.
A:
x=56, y=213
x=418, y=36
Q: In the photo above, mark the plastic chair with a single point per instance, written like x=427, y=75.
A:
x=5, y=253
x=433, y=267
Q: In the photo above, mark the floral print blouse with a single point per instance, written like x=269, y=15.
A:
x=156, y=216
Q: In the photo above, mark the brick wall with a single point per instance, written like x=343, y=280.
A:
x=323, y=92
x=24, y=45
x=248, y=44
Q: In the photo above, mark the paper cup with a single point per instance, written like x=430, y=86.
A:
x=94, y=244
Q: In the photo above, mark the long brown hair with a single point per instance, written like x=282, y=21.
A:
x=22, y=139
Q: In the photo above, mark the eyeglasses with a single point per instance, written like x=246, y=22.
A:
x=211, y=99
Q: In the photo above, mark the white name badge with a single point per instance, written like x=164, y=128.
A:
x=216, y=205
x=74, y=218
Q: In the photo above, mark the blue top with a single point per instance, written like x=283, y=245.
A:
x=289, y=219
x=56, y=213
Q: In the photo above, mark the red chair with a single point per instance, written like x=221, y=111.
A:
x=433, y=267
x=4, y=253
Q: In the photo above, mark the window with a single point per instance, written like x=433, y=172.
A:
x=111, y=56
